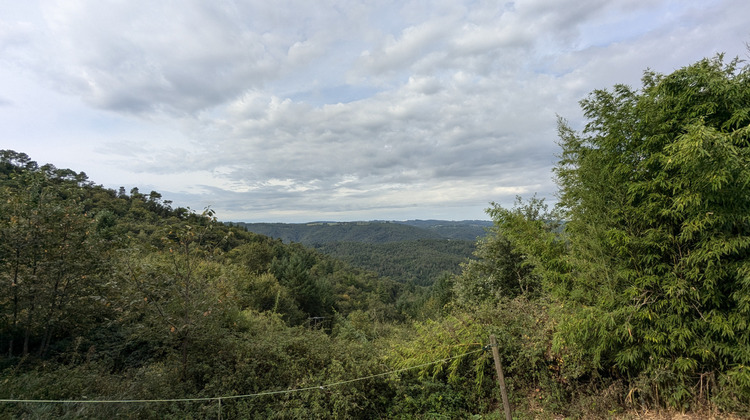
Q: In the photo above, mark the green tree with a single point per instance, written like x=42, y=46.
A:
x=49, y=255
x=520, y=239
x=174, y=295
x=655, y=195
x=299, y=271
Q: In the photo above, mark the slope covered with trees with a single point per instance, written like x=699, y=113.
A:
x=329, y=232
x=414, y=251
x=117, y=295
x=468, y=230
x=417, y=262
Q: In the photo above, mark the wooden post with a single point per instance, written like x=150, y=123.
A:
x=500, y=376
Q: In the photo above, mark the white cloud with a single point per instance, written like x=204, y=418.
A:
x=338, y=109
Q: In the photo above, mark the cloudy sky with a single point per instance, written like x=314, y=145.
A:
x=302, y=110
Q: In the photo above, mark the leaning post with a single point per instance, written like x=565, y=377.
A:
x=500, y=376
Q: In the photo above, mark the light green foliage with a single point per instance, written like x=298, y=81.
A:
x=508, y=260
x=655, y=194
x=464, y=381
x=254, y=256
x=443, y=339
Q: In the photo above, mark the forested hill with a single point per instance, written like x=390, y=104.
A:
x=413, y=251
x=109, y=295
x=373, y=232
x=468, y=230
x=420, y=261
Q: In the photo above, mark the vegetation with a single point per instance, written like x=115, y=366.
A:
x=374, y=232
x=655, y=192
x=633, y=293
x=333, y=232
x=469, y=230
x=417, y=262
x=415, y=252
x=115, y=296
x=647, y=281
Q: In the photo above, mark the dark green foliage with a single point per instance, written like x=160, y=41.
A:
x=431, y=399
x=50, y=257
x=327, y=232
x=415, y=251
x=419, y=262
x=468, y=230
x=295, y=272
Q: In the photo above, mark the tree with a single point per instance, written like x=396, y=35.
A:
x=49, y=258
x=177, y=288
x=655, y=195
x=297, y=271
x=500, y=269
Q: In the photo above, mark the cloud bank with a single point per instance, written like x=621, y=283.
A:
x=339, y=109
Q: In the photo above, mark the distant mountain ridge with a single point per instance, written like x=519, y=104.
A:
x=450, y=229
x=372, y=232
x=411, y=251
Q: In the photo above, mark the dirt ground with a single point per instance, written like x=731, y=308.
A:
x=664, y=415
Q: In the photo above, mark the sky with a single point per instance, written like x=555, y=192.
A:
x=339, y=110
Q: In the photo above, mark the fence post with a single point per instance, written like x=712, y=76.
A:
x=500, y=376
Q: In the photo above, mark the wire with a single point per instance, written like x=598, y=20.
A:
x=258, y=394
x=353, y=380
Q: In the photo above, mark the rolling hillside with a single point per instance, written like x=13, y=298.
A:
x=413, y=251
x=374, y=232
